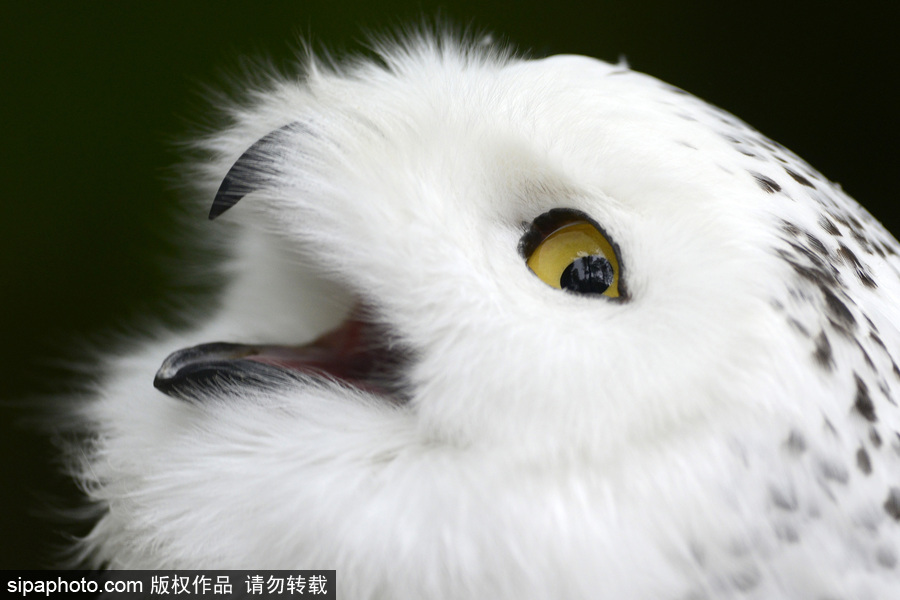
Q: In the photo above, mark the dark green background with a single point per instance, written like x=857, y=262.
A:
x=95, y=96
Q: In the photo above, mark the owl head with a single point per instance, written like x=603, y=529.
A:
x=492, y=327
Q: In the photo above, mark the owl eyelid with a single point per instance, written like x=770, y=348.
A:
x=542, y=226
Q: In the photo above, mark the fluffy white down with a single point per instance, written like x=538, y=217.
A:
x=690, y=442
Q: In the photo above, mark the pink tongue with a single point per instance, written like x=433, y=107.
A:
x=353, y=353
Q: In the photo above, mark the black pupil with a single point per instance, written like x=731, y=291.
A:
x=587, y=275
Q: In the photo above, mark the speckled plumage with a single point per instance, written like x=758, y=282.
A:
x=727, y=430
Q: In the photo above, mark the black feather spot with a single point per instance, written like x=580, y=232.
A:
x=829, y=226
x=796, y=443
x=833, y=471
x=790, y=228
x=863, y=403
x=837, y=309
x=808, y=273
x=862, y=273
x=823, y=352
x=817, y=244
x=787, y=533
x=863, y=462
x=768, y=185
x=799, y=178
x=865, y=355
x=863, y=241
x=798, y=327
x=785, y=499
x=866, y=279
x=892, y=504
x=877, y=339
x=874, y=437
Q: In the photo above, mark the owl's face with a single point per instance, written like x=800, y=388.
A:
x=485, y=316
x=424, y=218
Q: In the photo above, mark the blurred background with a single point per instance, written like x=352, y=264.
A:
x=96, y=97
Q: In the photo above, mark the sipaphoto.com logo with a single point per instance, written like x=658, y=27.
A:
x=87, y=584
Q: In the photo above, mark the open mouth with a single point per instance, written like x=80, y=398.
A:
x=358, y=354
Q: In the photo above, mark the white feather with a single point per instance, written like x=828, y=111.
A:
x=673, y=445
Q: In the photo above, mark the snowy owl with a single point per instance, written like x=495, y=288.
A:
x=507, y=328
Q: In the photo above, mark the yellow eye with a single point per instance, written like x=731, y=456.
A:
x=570, y=253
